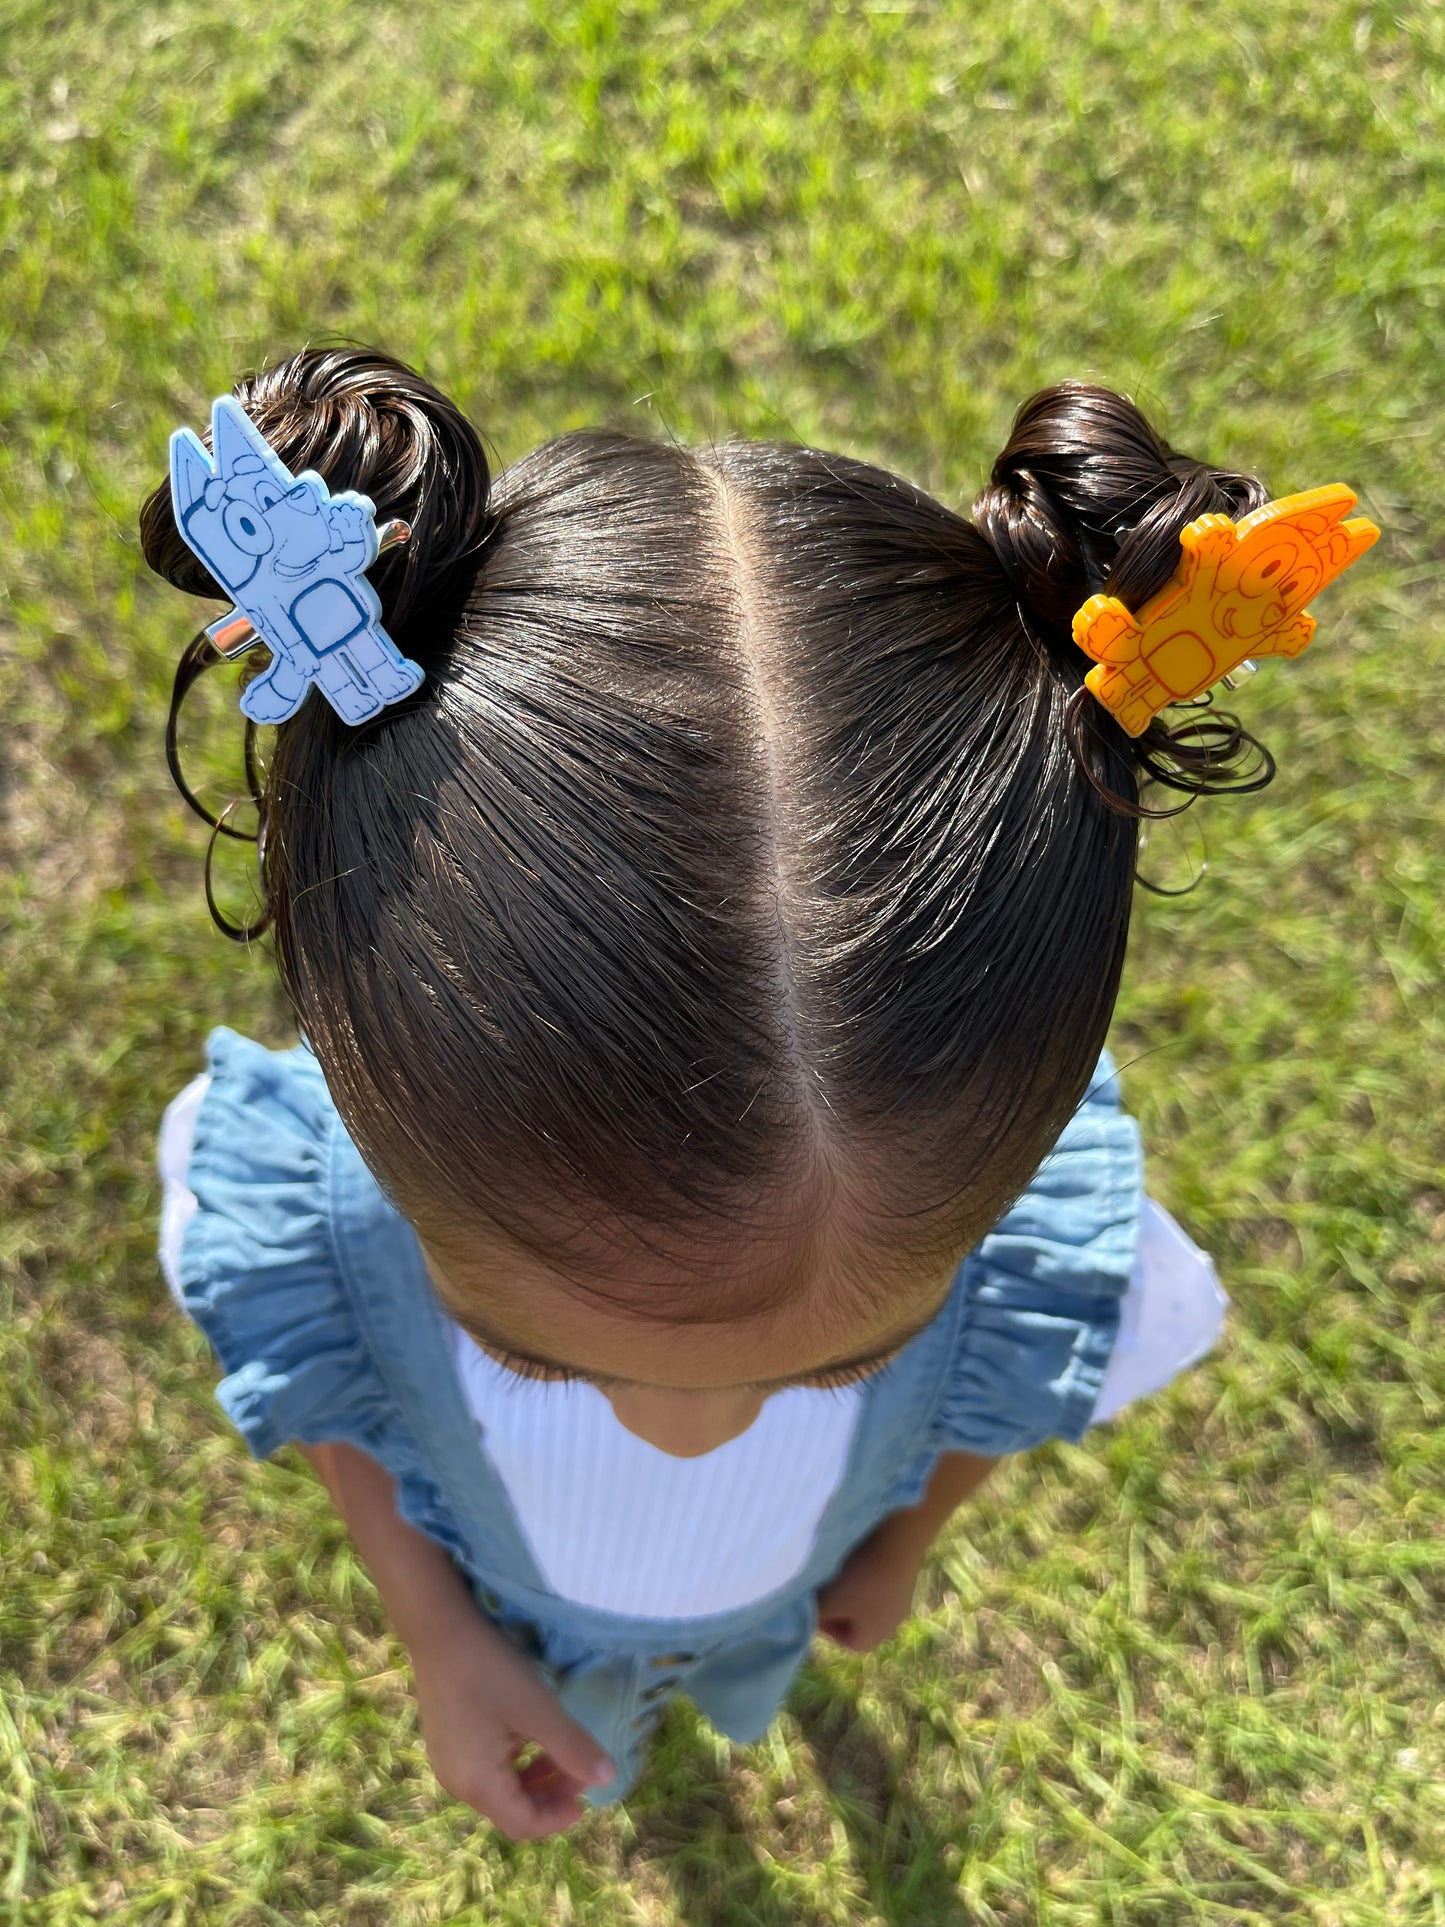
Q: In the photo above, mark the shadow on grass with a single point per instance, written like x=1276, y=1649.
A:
x=759, y=1847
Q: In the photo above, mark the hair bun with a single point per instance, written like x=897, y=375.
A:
x=365, y=421
x=1086, y=499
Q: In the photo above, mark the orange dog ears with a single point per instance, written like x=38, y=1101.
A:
x=1240, y=590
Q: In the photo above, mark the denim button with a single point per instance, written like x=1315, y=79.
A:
x=672, y=1659
x=655, y=1692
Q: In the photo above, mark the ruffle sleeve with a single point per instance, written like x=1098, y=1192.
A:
x=1042, y=1291
x=257, y=1270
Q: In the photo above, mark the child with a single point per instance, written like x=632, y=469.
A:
x=703, y=977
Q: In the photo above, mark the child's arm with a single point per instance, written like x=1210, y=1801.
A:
x=425, y=1596
x=480, y=1699
x=873, y=1594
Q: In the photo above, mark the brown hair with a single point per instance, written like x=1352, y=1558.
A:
x=751, y=829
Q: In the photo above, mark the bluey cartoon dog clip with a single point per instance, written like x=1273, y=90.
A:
x=293, y=558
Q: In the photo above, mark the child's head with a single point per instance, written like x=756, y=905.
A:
x=714, y=946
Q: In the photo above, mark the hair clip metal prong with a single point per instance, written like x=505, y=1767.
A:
x=232, y=635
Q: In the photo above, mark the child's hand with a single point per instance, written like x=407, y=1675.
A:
x=481, y=1702
x=873, y=1594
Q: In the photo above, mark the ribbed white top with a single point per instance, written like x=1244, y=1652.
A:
x=616, y=1524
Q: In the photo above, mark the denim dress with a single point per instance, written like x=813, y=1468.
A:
x=313, y=1291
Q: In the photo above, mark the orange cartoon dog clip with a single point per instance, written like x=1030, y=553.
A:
x=1240, y=590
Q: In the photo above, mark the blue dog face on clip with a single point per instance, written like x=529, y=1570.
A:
x=249, y=507
x=294, y=558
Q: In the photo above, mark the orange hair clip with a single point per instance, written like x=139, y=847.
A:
x=1240, y=590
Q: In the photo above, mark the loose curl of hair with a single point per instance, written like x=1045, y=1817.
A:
x=752, y=840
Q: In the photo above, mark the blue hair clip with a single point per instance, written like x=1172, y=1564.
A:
x=293, y=558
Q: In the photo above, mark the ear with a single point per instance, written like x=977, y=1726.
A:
x=190, y=472
x=234, y=435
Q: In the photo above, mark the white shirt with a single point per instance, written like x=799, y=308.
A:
x=617, y=1524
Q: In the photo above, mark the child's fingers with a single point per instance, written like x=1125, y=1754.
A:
x=555, y=1794
x=525, y=1805
x=517, y=1710
x=489, y=1787
x=502, y=1798
x=542, y=1775
x=536, y=1712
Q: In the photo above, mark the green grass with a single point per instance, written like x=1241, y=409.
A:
x=1191, y=1671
